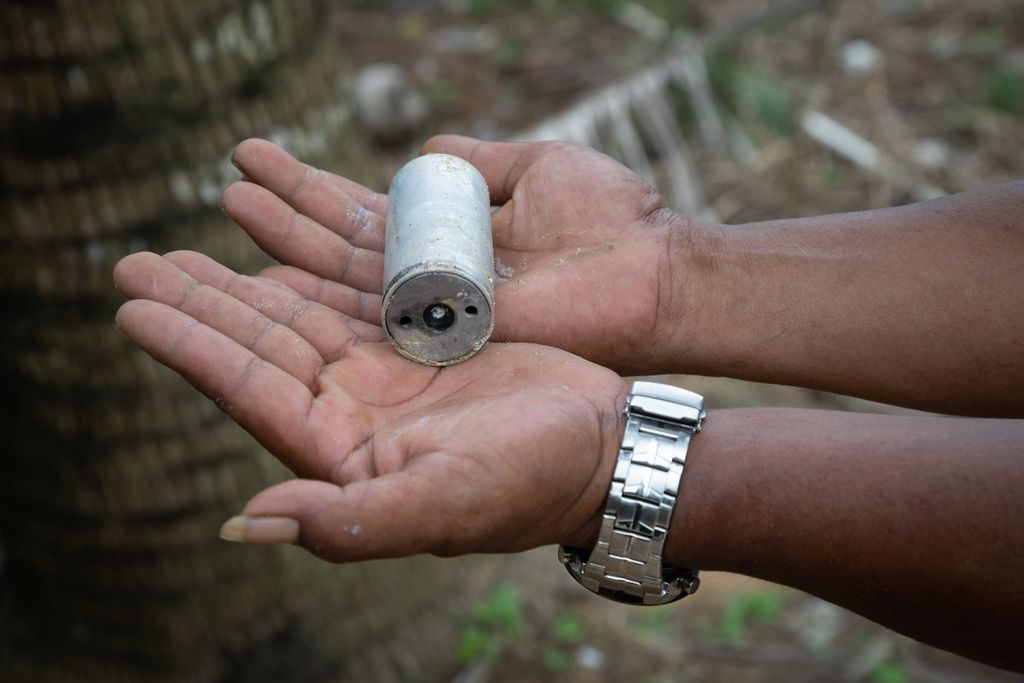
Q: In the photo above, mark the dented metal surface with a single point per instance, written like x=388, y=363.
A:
x=438, y=305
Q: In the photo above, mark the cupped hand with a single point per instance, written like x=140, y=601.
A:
x=581, y=242
x=510, y=450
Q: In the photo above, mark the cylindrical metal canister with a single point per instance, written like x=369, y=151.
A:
x=438, y=305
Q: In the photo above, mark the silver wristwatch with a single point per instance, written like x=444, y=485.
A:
x=625, y=563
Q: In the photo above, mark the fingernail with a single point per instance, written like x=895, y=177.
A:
x=242, y=529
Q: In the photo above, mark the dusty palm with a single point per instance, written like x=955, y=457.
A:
x=581, y=242
x=509, y=450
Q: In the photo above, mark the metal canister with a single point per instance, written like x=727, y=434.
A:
x=438, y=305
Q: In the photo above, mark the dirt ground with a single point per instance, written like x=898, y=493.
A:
x=938, y=85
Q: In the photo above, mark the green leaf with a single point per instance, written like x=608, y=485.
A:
x=744, y=608
x=753, y=93
x=656, y=617
x=1005, y=91
x=555, y=660
x=472, y=644
x=766, y=101
x=503, y=609
x=988, y=42
x=568, y=628
x=480, y=8
x=764, y=607
x=443, y=95
x=508, y=56
x=888, y=672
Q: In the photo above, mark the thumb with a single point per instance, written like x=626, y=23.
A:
x=501, y=164
x=390, y=516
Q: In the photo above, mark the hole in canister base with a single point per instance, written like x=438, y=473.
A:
x=438, y=317
x=470, y=310
x=405, y=321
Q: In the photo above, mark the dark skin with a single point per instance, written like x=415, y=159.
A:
x=912, y=521
x=914, y=305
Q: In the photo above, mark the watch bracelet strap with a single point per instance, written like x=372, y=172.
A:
x=626, y=562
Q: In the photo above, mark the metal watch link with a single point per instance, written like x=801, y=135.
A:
x=625, y=564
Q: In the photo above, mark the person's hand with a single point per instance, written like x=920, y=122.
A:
x=510, y=450
x=581, y=242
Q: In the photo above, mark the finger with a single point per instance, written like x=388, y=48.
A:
x=329, y=332
x=391, y=516
x=502, y=164
x=147, y=276
x=264, y=399
x=343, y=206
x=298, y=240
x=353, y=303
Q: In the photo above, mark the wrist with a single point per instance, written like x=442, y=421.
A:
x=719, y=522
x=584, y=530
x=697, y=536
x=686, y=326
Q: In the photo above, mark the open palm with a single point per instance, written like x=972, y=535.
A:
x=510, y=450
x=581, y=242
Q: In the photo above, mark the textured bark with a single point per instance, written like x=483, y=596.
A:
x=116, y=121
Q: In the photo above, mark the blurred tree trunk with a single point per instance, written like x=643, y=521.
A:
x=116, y=121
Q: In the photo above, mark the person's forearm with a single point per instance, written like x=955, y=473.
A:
x=920, y=305
x=910, y=521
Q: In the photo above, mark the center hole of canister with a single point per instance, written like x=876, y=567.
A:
x=438, y=317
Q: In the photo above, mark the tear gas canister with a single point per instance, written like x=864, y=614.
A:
x=438, y=305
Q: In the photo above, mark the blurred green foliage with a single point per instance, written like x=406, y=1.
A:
x=756, y=98
x=834, y=175
x=1005, y=90
x=508, y=56
x=656, y=618
x=555, y=660
x=988, y=42
x=502, y=609
x=442, y=94
x=495, y=620
x=568, y=628
x=744, y=609
x=480, y=8
x=888, y=672
x=672, y=11
x=609, y=6
x=478, y=644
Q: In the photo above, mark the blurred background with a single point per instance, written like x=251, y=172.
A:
x=116, y=123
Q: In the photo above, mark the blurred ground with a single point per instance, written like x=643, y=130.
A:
x=938, y=85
